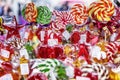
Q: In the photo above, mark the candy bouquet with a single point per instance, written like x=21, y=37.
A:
x=82, y=43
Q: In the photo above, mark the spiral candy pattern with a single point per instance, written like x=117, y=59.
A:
x=62, y=19
x=79, y=12
x=100, y=70
x=31, y=12
x=101, y=10
x=44, y=15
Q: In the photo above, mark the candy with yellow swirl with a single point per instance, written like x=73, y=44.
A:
x=31, y=12
x=79, y=12
x=101, y=10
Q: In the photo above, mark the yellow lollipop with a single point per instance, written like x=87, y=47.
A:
x=101, y=10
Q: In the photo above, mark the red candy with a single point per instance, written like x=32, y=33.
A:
x=75, y=37
x=38, y=76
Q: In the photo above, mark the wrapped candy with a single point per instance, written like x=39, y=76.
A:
x=15, y=43
x=6, y=52
x=101, y=10
x=79, y=12
x=30, y=12
x=95, y=52
x=30, y=50
x=13, y=30
x=71, y=50
x=42, y=52
x=50, y=52
x=44, y=15
x=75, y=37
x=24, y=67
x=91, y=38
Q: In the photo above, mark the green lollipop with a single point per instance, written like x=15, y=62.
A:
x=44, y=15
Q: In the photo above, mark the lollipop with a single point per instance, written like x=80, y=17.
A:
x=44, y=15
x=112, y=49
x=47, y=65
x=99, y=69
x=62, y=19
x=101, y=10
x=30, y=12
x=79, y=11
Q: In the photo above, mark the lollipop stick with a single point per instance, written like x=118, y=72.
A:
x=105, y=36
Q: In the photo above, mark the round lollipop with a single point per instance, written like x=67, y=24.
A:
x=62, y=19
x=79, y=12
x=44, y=15
x=101, y=10
x=30, y=12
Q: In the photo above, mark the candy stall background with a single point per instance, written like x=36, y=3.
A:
x=60, y=40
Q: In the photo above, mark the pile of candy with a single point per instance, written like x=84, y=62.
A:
x=80, y=44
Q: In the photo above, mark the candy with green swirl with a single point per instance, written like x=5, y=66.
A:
x=44, y=15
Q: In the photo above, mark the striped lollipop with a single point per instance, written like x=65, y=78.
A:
x=111, y=49
x=46, y=65
x=99, y=69
x=62, y=19
x=101, y=10
x=30, y=12
x=79, y=12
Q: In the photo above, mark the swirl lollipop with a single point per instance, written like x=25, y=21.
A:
x=101, y=10
x=79, y=12
x=62, y=19
x=30, y=12
x=44, y=15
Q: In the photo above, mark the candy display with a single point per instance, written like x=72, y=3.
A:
x=82, y=43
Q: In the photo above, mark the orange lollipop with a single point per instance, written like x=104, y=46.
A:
x=31, y=12
x=101, y=10
x=79, y=12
